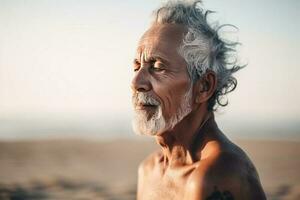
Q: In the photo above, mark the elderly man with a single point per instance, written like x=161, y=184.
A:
x=182, y=70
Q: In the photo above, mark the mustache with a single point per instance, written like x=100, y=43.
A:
x=144, y=99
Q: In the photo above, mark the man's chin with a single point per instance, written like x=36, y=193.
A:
x=140, y=129
x=148, y=127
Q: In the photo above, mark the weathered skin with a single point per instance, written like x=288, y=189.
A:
x=196, y=160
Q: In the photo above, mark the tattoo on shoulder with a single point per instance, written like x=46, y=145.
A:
x=217, y=195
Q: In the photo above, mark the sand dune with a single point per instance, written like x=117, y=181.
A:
x=80, y=169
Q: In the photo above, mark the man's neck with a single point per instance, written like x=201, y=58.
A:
x=178, y=145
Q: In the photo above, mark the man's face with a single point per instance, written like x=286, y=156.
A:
x=161, y=85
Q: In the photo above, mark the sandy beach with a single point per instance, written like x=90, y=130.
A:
x=85, y=169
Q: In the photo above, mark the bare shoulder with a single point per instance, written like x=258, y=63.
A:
x=228, y=174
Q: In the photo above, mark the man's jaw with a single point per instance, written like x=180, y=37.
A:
x=148, y=114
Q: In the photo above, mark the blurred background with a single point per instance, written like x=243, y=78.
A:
x=65, y=101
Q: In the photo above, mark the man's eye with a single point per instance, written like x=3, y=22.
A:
x=136, y=67
x=157, y=67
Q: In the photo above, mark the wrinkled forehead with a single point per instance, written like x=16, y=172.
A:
x=163, y=39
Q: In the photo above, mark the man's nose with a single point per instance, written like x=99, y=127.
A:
x=140, y=81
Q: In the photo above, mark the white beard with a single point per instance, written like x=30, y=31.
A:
x=157, y=123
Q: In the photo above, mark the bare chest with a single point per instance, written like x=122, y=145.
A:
x=171, y=185
x=164, y=188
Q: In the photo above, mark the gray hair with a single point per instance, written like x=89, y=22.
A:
x=202, y=47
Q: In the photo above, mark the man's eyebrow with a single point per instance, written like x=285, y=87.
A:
x=154, y=57
x=148, y=56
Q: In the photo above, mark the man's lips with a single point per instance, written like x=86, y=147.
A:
x=145, y=107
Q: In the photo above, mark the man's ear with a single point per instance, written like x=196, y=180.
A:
x=205, y=87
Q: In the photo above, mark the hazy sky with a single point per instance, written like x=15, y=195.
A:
x=73, y=58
